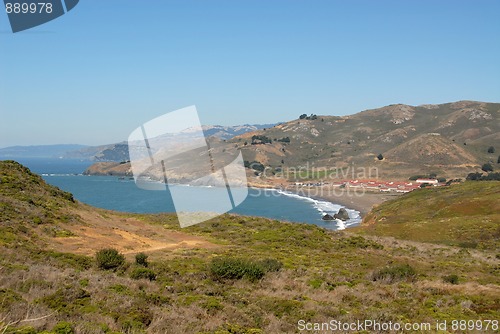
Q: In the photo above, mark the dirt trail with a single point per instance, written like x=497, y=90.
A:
x=127, y=234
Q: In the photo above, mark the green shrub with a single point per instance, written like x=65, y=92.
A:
x=234, y=268
x=212, y=305
x=270, y=265
x=394, y=273
x=63, y=327
x=141, y=259
x=143, y=273
x=487, y=167
x=109, y=258
x=452, y=279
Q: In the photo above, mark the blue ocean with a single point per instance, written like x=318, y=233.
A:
x=122, y=194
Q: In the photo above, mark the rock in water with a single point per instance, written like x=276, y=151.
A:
x=327, y=217
x=342, y=214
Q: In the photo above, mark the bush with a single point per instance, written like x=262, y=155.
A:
x=234, y=268
x=491, y=149
x=270, y=265
x=109, y=258
x=141, y=259
x=395, y=273
x=143, y=273
x=63, y=327
x=487, y=167
x=452, y=279
x=380, y=156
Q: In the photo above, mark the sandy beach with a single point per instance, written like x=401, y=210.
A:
x=357, y=200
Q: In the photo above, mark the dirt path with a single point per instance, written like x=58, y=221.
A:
x=127, y=234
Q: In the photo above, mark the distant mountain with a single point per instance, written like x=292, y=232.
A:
x=119, y=152
x=228, y=132
x=111, y=152
x=38, y=151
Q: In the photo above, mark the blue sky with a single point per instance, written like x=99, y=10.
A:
x=95, y=74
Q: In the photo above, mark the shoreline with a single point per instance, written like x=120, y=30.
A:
x=361, y=202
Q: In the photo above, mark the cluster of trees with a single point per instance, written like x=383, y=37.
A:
x=260, y=139
x=487, y=167
x=481, y=177
x=255, y=165
x=284, y=140
x=311, y=117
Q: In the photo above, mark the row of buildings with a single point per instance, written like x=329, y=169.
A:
x=375, y=185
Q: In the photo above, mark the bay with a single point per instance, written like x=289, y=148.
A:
x=122, y=194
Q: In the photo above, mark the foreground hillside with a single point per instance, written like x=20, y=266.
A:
x=229, y=275
x=466, y=214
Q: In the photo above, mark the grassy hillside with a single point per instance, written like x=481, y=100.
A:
x=466, y=215
x=229, y=275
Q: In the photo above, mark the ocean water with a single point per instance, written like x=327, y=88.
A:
x=111, y=192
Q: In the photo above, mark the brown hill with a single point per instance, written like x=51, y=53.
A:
x=450, y=139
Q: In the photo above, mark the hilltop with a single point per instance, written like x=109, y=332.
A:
x=450, y=139
x=232, y=274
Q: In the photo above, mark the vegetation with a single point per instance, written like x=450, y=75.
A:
x=380, y=156
x=260, y=139
x=481, y=177
x=491, y=149
x=487, y=167
x=143, y=273
x=290, y=271
x=284, y=140
x=255, y=165
x=311, y=117
x=393, y=273
x=109, y=258
x=465, y=215
x=141, y=259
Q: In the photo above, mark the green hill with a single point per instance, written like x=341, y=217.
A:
x=232, y=274
x=466, y=215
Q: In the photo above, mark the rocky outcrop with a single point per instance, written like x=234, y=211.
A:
x=342, y=214
x=328, y=217
x=109, y=168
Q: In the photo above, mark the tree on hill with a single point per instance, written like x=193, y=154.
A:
x=487, y=167
x=491, y=149
x=302, y=116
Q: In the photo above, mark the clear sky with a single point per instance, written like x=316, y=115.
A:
x=95, y=74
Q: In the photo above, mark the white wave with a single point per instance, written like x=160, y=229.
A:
x=325, y=207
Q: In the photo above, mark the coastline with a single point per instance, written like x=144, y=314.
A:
x=355, y=200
